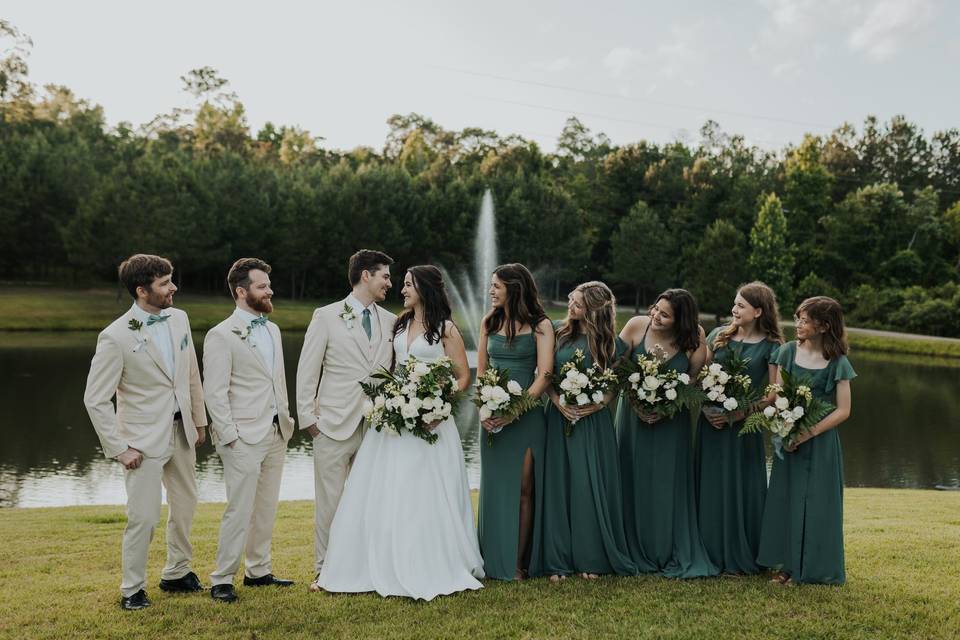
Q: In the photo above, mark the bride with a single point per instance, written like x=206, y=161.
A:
x=404, y=526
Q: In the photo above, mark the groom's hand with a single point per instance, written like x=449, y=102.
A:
x=313, y=431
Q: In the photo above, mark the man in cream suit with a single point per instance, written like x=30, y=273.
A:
x=246, y=393
x=146, y=359
x=345, y=343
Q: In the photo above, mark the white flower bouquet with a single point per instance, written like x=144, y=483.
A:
x=793, y=412
x=651, y=387
x=727, y=387
x=579, y=385
x=414, y=395
x=498, y=396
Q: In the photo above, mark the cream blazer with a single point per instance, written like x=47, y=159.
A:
x=131, y=368
x=335, y=359
x=238, y=387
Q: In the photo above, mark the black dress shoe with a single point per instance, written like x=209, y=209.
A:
x=137, y=601
x=187, y=583
x=266, y=581
x=223, y=593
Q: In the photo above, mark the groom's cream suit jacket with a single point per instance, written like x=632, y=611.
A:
x=336, y=357
x=240, y=390
x=128, y=363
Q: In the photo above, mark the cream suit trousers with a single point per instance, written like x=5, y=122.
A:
x=252, y=474
x=174, y=469
x=331, y=464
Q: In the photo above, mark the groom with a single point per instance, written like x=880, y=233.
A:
x=345, y=343
x=146, y=359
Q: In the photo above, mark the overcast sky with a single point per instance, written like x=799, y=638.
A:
x=769, y=69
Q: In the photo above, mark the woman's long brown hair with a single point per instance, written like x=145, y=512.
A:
x=762, y=297
x=826, y=313
x=599, y=323
x=522, y=306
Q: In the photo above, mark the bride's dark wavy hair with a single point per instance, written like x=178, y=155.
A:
x=522, y=305
x=428, y=281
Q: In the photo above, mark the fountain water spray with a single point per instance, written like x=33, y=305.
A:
x=469, y=290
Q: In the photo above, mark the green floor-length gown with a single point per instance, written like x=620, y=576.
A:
x=731, y=472
x=802, y=527
x=658, y=490
x=583, y=508
x=501, y=467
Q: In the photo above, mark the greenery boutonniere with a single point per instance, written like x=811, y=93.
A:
x=135, y=326
x=184, y=342
x=347, y=315
x=244, y=334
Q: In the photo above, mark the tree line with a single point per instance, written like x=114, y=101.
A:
x=868, y=214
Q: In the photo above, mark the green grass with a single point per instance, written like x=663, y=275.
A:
x=59, y=574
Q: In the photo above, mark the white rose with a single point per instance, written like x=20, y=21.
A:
x=514, y=388
x=597, y=397
x=770, y=411
x=782, y=403
x=409, y=411
x=583, y=399
x=715, y=368
x=684, y=378
x=712, y=396
x=786, y=416
x=634, y=377
x=671, y=394
x=485, y=413
x=500, y=394
x=583, y=380
x=572, y=374
x=730, y=404
x=724, y=377
x=651, y=382
x=367, y=408
x=797, y=412
x=567, y=384
x=379, y=402
x=421, y=368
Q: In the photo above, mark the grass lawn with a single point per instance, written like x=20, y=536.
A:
x=48, y=309
x=59, y=575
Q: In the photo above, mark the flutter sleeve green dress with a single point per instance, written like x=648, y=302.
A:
x=658, y=490
x=501, y=467
x=582, y=507
x=802, y=528
x=731, y=472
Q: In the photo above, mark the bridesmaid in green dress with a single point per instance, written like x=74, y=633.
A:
x=732, y=469
x=801, y=534
x=583, y=530
x=656, y=455
x=516, y=335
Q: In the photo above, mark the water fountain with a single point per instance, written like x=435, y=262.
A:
x=469, y=290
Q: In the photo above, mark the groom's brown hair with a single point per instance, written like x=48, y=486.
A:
x=141, y=269
x=366, y=260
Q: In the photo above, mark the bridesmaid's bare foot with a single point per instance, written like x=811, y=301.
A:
x=521, y=574
x=557, y=578
x=589, y=576
x=779, y=577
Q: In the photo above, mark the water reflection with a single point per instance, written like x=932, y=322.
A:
x=905, y=429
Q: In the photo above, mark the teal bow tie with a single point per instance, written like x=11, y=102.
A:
x=259, y=322
x=155, y=319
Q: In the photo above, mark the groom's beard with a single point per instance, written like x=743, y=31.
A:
x=159, y=300
x=263, y=305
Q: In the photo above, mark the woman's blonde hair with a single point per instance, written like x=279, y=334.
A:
x=599, y=323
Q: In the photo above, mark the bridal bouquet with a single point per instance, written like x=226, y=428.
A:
x=579, y=385
x=651, y=387
x=794, y=411
x=412, y=396
x=497, y=396
x=727, y=387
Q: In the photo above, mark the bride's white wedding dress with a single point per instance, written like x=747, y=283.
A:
x=404, y=526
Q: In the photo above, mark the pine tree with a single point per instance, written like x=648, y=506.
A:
x=771, y=253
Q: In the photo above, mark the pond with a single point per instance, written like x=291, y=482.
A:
x=904, y=431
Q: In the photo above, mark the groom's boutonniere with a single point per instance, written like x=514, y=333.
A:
x=347, y=315
x=184, y=342
x=135, y=326
x=244, y=334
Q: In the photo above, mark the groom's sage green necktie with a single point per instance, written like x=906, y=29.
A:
x=365, y=322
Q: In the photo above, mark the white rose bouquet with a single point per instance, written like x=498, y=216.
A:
x=794, y=411
x=579, y=385
x=414, y=395
x=496, y=395
x=727, y=387
x=651, y=387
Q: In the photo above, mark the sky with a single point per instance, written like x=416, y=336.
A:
x=770, y=70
